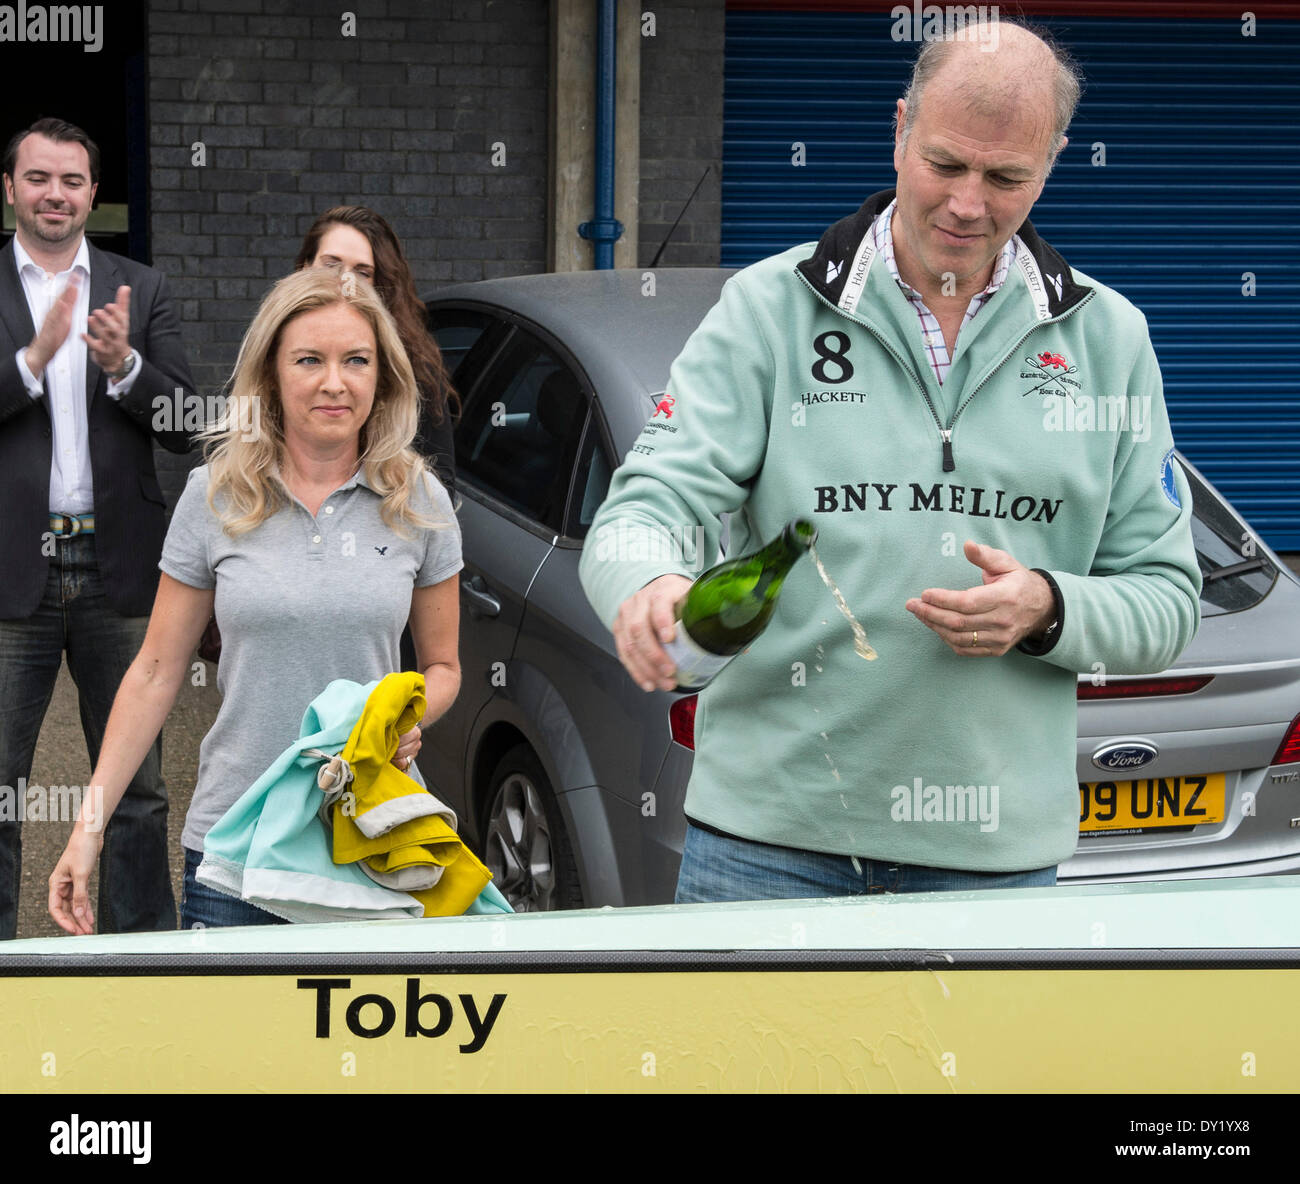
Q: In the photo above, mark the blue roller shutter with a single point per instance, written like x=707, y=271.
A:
x=1198, y=199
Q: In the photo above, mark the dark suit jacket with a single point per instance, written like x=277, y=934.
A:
x=130, y=512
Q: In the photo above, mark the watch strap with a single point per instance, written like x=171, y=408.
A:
x=1052, y=634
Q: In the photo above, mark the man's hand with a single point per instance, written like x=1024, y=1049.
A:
x=644, y=621
x=108, y=331
x=54, y=329
x=985, y=622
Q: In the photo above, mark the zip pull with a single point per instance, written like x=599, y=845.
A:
x=948, y=463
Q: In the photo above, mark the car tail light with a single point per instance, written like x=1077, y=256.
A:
x=681, y=718
x=1289, y=750
x=1136, y=688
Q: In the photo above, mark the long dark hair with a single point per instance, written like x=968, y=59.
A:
x=396, y=287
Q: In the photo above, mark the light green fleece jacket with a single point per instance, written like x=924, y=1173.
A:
x=806, y=392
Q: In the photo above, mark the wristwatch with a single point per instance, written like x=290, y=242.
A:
x=128, y=364
x=1052, y=634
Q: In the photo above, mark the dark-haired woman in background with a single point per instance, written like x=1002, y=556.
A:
x=356, y=239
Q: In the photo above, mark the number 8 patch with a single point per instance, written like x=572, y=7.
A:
x=832, y=348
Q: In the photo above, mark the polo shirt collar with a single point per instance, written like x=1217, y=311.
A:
x=359, y=478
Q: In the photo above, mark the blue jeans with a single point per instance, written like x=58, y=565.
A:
x=74, y=617
x=206, y=908
x=716, y=869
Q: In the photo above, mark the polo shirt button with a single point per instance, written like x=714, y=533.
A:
x=315, y=538
x=329, y=509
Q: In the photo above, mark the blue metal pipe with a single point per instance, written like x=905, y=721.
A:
x=604, y=229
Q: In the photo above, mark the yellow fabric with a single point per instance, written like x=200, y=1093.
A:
x=459, y=887
x=394, y=707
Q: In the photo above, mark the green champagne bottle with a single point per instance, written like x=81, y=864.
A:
x=731, y=604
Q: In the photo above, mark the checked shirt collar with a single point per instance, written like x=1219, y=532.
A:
x=882, y=238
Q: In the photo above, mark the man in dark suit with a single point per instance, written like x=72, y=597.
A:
x=92, y=369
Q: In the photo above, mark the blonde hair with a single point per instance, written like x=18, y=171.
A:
x=243, y=450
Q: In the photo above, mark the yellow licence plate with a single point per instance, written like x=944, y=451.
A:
x=1151, y=802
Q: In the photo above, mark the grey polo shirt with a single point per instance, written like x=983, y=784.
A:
x=301, y=600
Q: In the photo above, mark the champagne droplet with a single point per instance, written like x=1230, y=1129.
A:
x=861, y=646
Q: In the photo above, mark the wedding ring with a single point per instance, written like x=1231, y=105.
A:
x=974, y=638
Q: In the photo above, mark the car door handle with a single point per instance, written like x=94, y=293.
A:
x=481, y=602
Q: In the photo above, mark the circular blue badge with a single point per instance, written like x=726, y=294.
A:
x=1167, y=482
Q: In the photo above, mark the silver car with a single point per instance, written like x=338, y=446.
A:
x=570, y=780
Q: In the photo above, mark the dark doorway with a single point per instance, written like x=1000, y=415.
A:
x=102, y=91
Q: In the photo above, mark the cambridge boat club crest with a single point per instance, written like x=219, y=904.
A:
x=1050, y=373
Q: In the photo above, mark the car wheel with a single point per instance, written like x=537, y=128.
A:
x=524, y=846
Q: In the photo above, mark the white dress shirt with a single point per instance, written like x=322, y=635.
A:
x=71, y=485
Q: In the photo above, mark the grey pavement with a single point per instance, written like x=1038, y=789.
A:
x=61, y=760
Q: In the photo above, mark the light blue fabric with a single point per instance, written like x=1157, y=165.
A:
x=272, y=849
x=488, y=901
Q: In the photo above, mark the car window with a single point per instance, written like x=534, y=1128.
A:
x=457, y=331
x=519, y=433
x=591, y=483
x=1235, y=573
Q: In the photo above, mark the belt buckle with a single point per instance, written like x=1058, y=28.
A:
x=69, y=526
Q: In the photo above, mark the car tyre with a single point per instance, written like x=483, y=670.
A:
x=524, y=842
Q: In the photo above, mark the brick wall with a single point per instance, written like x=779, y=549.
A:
x=681, y=131
x=295, y=117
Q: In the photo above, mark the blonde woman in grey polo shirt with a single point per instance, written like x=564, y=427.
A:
x=316, y=531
